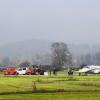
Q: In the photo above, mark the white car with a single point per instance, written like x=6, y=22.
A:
x=22, y=71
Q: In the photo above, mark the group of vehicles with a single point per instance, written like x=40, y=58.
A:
x=35, y=70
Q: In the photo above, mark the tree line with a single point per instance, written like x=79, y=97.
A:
x=58, y=57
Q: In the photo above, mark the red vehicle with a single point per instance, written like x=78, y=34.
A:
x=34, y=71
x=10, y=71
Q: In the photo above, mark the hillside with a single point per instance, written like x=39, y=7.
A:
x=29, y=47
x=25, y=48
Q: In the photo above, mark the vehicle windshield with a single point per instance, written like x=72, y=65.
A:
x=21, y=69
x=24, y=68
x=86, y=67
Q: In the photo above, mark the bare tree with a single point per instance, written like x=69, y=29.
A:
x=5, y=61
x=60, y=54
x=24, y=64
x=15, y=61
x=41, y=59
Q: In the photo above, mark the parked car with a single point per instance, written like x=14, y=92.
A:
x=10, y=71
x=21, y=70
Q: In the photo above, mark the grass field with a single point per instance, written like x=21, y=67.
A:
x=50, y=88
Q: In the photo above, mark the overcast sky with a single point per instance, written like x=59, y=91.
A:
x=71, y=21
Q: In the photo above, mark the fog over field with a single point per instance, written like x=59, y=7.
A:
x=30, y=27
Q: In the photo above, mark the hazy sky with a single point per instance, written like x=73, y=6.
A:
x=72, y=21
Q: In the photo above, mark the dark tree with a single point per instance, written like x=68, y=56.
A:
x=60, y=54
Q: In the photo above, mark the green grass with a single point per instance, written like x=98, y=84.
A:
x=51, y=88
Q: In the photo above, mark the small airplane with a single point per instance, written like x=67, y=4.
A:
x=93, y=69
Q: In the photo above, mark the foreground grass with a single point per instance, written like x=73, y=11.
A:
x=53, y=96
x=51, y=88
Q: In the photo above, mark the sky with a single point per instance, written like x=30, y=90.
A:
x=70, y=21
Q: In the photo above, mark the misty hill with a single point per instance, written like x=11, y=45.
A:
x=25, y=48
x=29, y=47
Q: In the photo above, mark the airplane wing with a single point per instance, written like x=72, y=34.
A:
x=83, y=70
